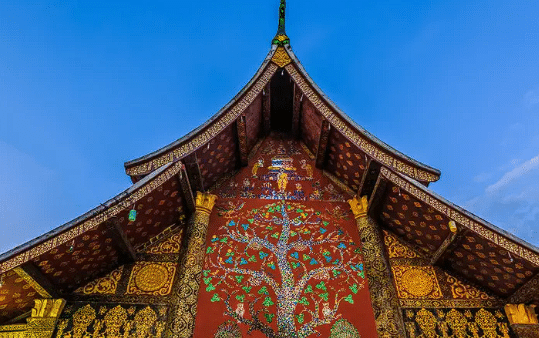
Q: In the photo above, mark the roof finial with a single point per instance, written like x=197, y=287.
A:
x=281, y=38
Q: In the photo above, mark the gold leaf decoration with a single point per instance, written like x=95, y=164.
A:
x=170, y=246
x=149, y=278
x=105, y=285
x=416, y=282
x=396, y=249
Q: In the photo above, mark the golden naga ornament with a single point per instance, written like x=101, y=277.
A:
x=281, y=57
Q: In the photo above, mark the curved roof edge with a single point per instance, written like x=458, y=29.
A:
x=463, y=217
x=68, y=231
x=182, y=147
x=399, y=160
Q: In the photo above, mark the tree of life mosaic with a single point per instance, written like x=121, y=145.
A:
x=283, y=269
x=282, y=256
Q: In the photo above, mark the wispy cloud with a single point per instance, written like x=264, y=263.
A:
x=531, y=98
x=514, y=174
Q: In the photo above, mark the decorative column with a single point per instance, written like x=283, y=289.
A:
x=192, y=261
x=387, y=314
x=523, y=320
x=44, y=316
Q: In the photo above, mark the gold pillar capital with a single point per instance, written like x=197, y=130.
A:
x=44, y=316
x=205, y=202
x=521, y=314
x=359, y=206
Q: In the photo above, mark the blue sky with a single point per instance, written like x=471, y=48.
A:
x=88, y=85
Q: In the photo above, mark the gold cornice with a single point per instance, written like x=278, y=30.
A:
x=461, y=218
x=103, y=216
x=208, y=133
x=368, y=147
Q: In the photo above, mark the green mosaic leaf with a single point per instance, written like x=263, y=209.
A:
x=324, y=296
x=263, y=290
x=224, y=240
x=209, y=250
x=269, y=317
x=300, y=318
x=240, y=298
x=247, y=289
x=336, y=272
x=207, y=280
x=304, y=301
x=308, y=289
x=215, y=298
x=321, y=286
x=275, y=235
x=349, y=299
x=353, y=288
x=325, y=223
x=268, y=302
x=306, y=257
x=252, y=259
x=251, y=220
x=210, y=288
x=206, y=273
x=299, y=210
x=239, y=278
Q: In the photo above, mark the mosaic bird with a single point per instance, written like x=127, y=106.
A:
x=240, y=310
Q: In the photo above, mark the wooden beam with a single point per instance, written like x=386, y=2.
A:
x=266, y=109
x=186, y=189
x=126, y=251
x=37, y=280
x=377, y=194
x=446, y=243
x=193, y=172
x=369, y=179
x=298, y=96
x=527, y=292
x=241, y=128
x=322, y=144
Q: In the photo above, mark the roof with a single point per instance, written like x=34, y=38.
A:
x=165, y=180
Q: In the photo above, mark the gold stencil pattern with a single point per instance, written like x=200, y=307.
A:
x=460, y=290
x=456, y=323
x=105, y=285
x=416, y=282
x=396, y=249
x=360, y=141
x=171, y=245
x=384, y=300
x=149, y=278
x=112, y=321
x=460, y=218
x=93, y=222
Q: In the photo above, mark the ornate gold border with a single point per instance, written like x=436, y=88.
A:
x=361, y=142
x=448, y=303
x=103, y=216
x=460, y=218
x=215, y=128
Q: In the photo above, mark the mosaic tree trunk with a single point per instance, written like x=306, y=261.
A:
x=295, y=266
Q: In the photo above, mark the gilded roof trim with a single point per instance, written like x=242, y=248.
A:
x=88, y=221
x=365, y=141
x=481, y=227
x=217, y=123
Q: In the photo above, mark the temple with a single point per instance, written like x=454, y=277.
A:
x=278, y=217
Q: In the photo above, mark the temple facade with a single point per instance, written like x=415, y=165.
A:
x=278, y=217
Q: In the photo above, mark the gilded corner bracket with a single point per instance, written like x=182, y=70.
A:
x=186, y=290
x=387, y=314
